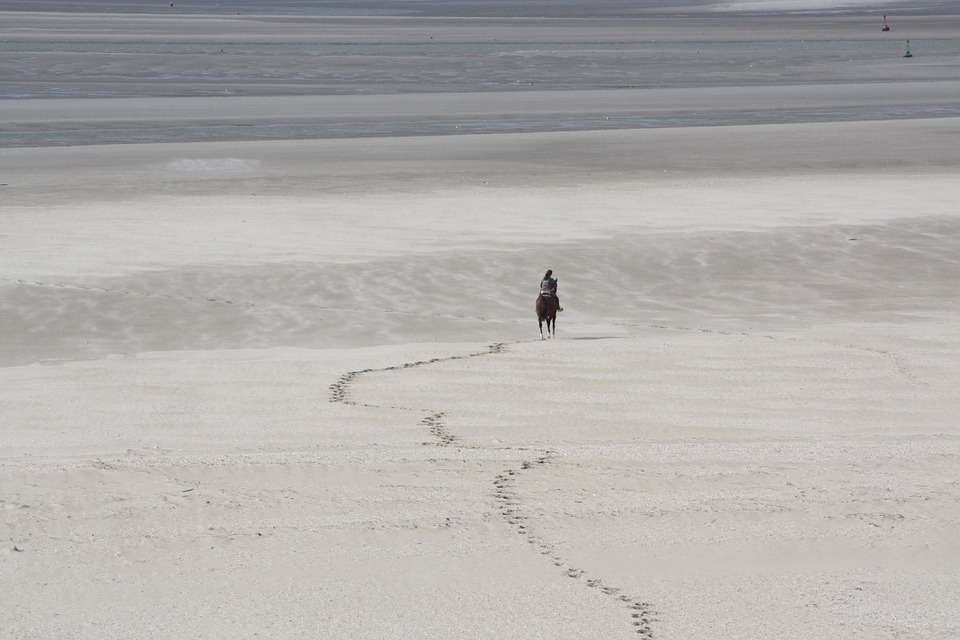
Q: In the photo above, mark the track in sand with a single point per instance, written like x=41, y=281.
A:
x=509, y=501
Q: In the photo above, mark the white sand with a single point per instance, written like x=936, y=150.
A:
x=295, y=389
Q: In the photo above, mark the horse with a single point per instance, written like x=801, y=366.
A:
x=547, y=312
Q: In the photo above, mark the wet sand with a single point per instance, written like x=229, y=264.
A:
x=269, y=366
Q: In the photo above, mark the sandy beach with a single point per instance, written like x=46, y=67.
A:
x=269, y=364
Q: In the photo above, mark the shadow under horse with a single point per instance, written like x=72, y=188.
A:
x=547, y=307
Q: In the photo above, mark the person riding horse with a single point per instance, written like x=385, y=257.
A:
x=548, y=286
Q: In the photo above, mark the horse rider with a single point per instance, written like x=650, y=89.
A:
x=548, y=286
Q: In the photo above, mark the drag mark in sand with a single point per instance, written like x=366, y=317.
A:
x=123, y=292
x=897, y=362
x=509, y=505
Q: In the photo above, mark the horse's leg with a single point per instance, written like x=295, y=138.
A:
x=538, y=309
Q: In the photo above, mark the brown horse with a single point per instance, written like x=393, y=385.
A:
x=547, y=307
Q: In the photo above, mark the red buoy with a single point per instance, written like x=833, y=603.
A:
x=885, y=26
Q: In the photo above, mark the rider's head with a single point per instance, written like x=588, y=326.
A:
x=548, y=274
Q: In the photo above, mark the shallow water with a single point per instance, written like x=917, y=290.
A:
x=49, y=58
x=421, y=8
x=431, y=127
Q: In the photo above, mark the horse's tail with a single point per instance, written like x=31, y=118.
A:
x=544, y=302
